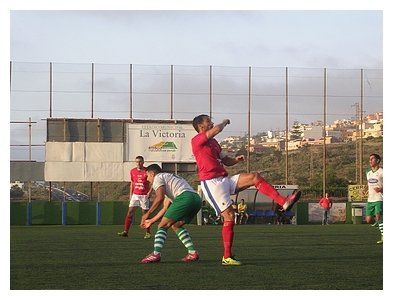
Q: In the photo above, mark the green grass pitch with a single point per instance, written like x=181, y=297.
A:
x=274, y=257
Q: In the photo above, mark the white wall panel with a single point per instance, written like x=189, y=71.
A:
x=78, y=151
x=127, y=166
x=64, y=171
x=104, y=152
x=58, y=151
x=102, y=171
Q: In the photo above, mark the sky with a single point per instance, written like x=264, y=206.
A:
x=334, y=39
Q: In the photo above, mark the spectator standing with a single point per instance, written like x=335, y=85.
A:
x=326, y=205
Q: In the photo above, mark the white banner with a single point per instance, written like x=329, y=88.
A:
x=161, y=142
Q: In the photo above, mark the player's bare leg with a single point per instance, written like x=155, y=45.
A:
x=369, y=219
x=148, y=232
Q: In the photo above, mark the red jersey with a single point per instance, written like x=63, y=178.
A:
x=139, y=180
x=207, y=156
x=325, y=203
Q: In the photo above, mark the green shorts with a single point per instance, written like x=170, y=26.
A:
x=374, y=208
x=184, y=207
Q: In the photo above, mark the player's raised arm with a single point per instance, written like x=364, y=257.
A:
x=211, y=133
x=231, y=161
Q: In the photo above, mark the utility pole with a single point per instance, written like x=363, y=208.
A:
x=356, y=105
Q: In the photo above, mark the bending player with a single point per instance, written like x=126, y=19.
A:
x=217, y=186
x=139, y=195
x=179, y=208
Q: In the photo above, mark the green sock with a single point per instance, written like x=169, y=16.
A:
x=159, y=239
x=185, y=238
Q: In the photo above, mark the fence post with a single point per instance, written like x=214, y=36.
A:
x=98, y=213
x=324, y=175
x=29, y=213
x=10, y=76
x=92, y=91
x=286, y=127
x=210, y=90
x=50, y=90
x=171, y=92
x=361, y=131
x=130, y=92
x=249, y=121
x=64, y=213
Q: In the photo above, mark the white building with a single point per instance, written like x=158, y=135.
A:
x=18, y=183
x=315, y=133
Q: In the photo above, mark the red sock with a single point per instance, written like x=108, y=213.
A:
x=127, y=222
x=267, y=189
x=227, y=237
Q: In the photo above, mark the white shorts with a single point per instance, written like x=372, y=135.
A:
x=218, y=191
x=140, y=200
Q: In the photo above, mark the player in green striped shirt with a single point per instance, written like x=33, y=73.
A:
x=179, y=208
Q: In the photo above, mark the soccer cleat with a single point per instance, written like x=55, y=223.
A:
x=123, y=234
x=147, y=236
x=380, y=241
x=230, y=261
x=291, y=200
x=375, y=224
x=191, y=257
x=151, y=258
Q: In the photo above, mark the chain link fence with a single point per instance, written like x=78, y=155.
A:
x=267, y=106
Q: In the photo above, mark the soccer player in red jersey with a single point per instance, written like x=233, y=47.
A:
x=217, y=186
x=326, y=204
x=139, y=195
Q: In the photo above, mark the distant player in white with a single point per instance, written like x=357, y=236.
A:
x=375, y=193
